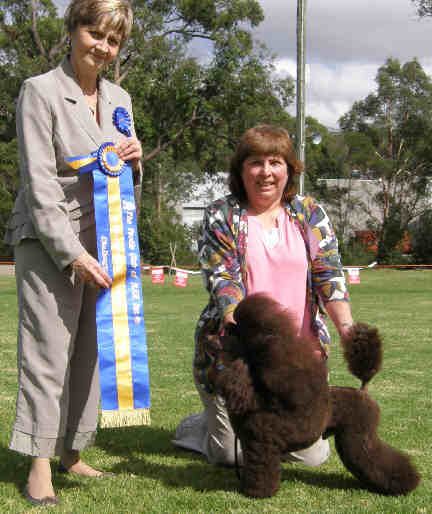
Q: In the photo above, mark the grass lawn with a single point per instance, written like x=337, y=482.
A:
x=154, y=477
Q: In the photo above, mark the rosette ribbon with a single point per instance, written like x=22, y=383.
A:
x=121, y=335
x=122, y=121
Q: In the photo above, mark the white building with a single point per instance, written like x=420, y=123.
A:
x=192, y=210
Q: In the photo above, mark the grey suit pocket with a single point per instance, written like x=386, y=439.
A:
x=75, y=213
x=17, y=219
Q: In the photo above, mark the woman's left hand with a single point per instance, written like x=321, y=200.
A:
x=129, y=149
x=340, y=314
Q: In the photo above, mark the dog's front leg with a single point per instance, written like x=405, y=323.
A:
x=261, y=471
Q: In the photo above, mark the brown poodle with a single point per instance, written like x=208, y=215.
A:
x=278, y=399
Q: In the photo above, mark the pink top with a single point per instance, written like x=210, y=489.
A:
x=277, y=265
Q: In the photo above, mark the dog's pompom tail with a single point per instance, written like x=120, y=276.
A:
x=363, y=351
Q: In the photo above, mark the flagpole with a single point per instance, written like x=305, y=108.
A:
x=300, y=97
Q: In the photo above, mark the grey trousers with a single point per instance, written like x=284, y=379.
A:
x=210, y=433
x=58, y=383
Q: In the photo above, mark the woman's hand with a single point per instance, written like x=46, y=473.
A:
x=229, y=318
x=89, y=270
x=129, y=149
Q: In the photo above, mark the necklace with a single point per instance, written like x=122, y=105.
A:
x=92, y=102
x=268, y=219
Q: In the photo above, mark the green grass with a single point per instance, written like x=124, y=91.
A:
x=154, y=477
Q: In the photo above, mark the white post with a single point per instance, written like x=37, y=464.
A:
x=300, y=133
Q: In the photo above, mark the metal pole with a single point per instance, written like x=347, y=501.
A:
x=300, y=133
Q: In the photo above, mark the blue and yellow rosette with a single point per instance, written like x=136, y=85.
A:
x=121, y=335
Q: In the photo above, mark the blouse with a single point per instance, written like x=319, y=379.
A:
x=222, y=250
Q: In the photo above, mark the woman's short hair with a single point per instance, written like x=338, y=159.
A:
x=264, y=140
x=113, y=14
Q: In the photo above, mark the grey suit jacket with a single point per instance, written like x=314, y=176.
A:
x=53, y=122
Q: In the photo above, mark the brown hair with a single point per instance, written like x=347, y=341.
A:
x=114, y=14
x=264, y=140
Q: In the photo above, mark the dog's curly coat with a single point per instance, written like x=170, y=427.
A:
x=279, y=401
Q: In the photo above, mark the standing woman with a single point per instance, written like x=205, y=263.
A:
x=65, y=112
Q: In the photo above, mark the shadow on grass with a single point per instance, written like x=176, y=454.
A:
x=121, y=442
x=321, y=478
x=190, y=469
x=14, y=469
x=158, y=459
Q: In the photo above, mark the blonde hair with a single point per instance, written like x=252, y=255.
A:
x=264, y=140
x=113, y=14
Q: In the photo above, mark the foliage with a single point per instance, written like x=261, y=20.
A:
x=323, y=160
x=330, y=170
x=421, y=238
x=338, y=205
x=161, y=233
x=8, y=185
x=396, y=123
x=353, y=253
x=154, y=477
x=424, y=7
x=189, y=108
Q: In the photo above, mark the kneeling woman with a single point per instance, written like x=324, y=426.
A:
x=263, y=238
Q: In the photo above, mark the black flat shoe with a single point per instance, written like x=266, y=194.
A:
x=48, y=501
x=103, y=474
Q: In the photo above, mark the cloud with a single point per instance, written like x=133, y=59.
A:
x=341, y=30
x=346, y=42
x=331, y=91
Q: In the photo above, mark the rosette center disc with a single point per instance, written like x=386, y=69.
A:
x=109, y=161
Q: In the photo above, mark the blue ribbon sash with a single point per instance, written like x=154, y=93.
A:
x=121, y=335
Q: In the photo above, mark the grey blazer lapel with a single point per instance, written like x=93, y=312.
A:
x=76, y=102
x=106, y=108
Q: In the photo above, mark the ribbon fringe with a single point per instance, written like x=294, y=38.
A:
x=124, y=418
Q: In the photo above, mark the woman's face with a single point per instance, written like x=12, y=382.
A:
x=94, y=47
x=264, y=179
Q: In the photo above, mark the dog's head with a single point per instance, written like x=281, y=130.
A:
x=263, y=327
x=259, y=314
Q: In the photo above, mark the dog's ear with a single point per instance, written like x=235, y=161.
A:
x=212, y=343
x=231, y=343
x=235, y=384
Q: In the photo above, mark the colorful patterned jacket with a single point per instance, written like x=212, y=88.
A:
x=222, y=256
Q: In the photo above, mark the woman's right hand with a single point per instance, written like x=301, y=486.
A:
x=228, y=319
x=89, y=270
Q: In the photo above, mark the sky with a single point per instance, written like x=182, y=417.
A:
x=346, y=42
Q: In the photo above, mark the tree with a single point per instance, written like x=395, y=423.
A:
x=424, y=7
x=188, y=111
x=8, y=184
x=397, y=121
x=421, y=236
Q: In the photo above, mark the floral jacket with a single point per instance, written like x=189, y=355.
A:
x=222, y=255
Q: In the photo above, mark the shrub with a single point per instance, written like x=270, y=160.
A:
x=355, y=253
x=421, y=238
x=158, y=232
